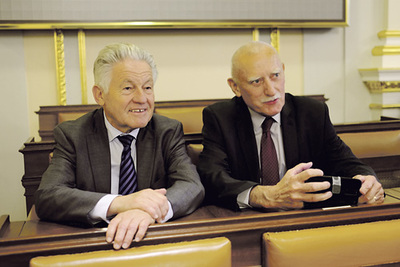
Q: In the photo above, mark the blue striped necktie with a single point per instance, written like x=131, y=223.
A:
x=127, y=175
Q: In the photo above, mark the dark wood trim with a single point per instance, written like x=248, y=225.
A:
x=4, y=223
x=373, y=126
x=49, y=116
x=244, y=230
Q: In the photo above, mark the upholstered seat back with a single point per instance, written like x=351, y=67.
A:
x=347, y=245
x=373, y=144
x=208, y=252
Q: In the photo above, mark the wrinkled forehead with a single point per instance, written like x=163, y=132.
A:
x=255, y=55
x=258, y=64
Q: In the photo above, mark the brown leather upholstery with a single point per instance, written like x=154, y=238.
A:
x=69, y=116
x=191, y=117
x=373, y=144
x=194, y=151
x=207, y=252
x=348, y=245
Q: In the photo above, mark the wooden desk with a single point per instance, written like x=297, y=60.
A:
x=21, y=241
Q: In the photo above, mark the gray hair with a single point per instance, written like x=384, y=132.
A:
x=114, y=53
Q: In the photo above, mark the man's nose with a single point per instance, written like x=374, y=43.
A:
x=139, y=95
x=269, y=87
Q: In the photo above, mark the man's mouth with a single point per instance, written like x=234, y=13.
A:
x=272, y=100
x=137, y=110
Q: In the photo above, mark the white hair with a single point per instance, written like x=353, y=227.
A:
x=114, y=53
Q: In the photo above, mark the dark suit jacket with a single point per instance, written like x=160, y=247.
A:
x=229, y=163
x=80, y=171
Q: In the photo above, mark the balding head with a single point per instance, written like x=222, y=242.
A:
x=249, y=51
x=258, y=77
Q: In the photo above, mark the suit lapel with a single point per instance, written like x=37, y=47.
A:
x=99, y=154
x=289, y=134
x=247, y=139
x=145, y=151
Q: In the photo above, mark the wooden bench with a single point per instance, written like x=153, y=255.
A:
x=189, y=112
x=36, y=153
x=377, y=144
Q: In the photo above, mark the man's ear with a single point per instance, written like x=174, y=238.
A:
x=234, y=87
x=98, y=95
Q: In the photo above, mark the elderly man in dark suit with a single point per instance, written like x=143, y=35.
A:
x=304, y=142
x=96, y=175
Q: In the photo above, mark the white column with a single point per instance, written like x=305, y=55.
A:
x=383, y=80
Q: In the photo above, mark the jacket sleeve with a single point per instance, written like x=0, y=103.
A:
x=220, y=155
x=185, y=191
x=58, y=197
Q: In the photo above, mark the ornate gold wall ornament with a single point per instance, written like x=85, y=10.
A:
x=388, y=34
x=386, y=50
x=256, y=34
x=275, y=38
x=82, y=65
x=383, y=106
x=60, y=67
x=170, y=25
x=383, y=86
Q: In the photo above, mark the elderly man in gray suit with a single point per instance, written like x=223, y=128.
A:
x=83, y=183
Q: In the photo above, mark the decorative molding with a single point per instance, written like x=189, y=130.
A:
x=383, y=86
x=153, y=14
x=82, y=65
x=384, y=106
x=380, y=74
x=256, y=34
x=60, y=67
x=168, y=25
x=388, y=34
x=275, y=33
x=386, y=50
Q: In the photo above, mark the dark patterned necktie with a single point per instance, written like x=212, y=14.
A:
x=127, y=175
x=269, y=161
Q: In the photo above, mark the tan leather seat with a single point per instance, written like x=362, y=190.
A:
x=373, y=144
x=194, y=151
x=207, y=252
x=191, y=117
x=348, y=245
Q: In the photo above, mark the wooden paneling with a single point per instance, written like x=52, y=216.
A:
x=244, y=229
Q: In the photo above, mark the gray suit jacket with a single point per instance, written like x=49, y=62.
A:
x=80, y=171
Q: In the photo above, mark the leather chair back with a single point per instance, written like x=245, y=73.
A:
x=364, y=244
x=207, y=252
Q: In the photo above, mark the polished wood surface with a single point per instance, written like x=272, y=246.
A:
x=20, y=241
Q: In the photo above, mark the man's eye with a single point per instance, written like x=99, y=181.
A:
x=148, y=88
x=127, y=88
x=276, y=75
x=257, y=81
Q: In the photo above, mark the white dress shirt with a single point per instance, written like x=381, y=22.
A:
x=99, y=212
x=276, y=135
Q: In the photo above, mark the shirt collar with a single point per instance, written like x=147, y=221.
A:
x=258, y=119
x=114, y=133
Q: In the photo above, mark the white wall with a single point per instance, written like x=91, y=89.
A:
x=193, y=64
x=14, y=121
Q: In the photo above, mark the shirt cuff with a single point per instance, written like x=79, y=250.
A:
x=170, y=213
x=243, y=199
x=99, y=212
